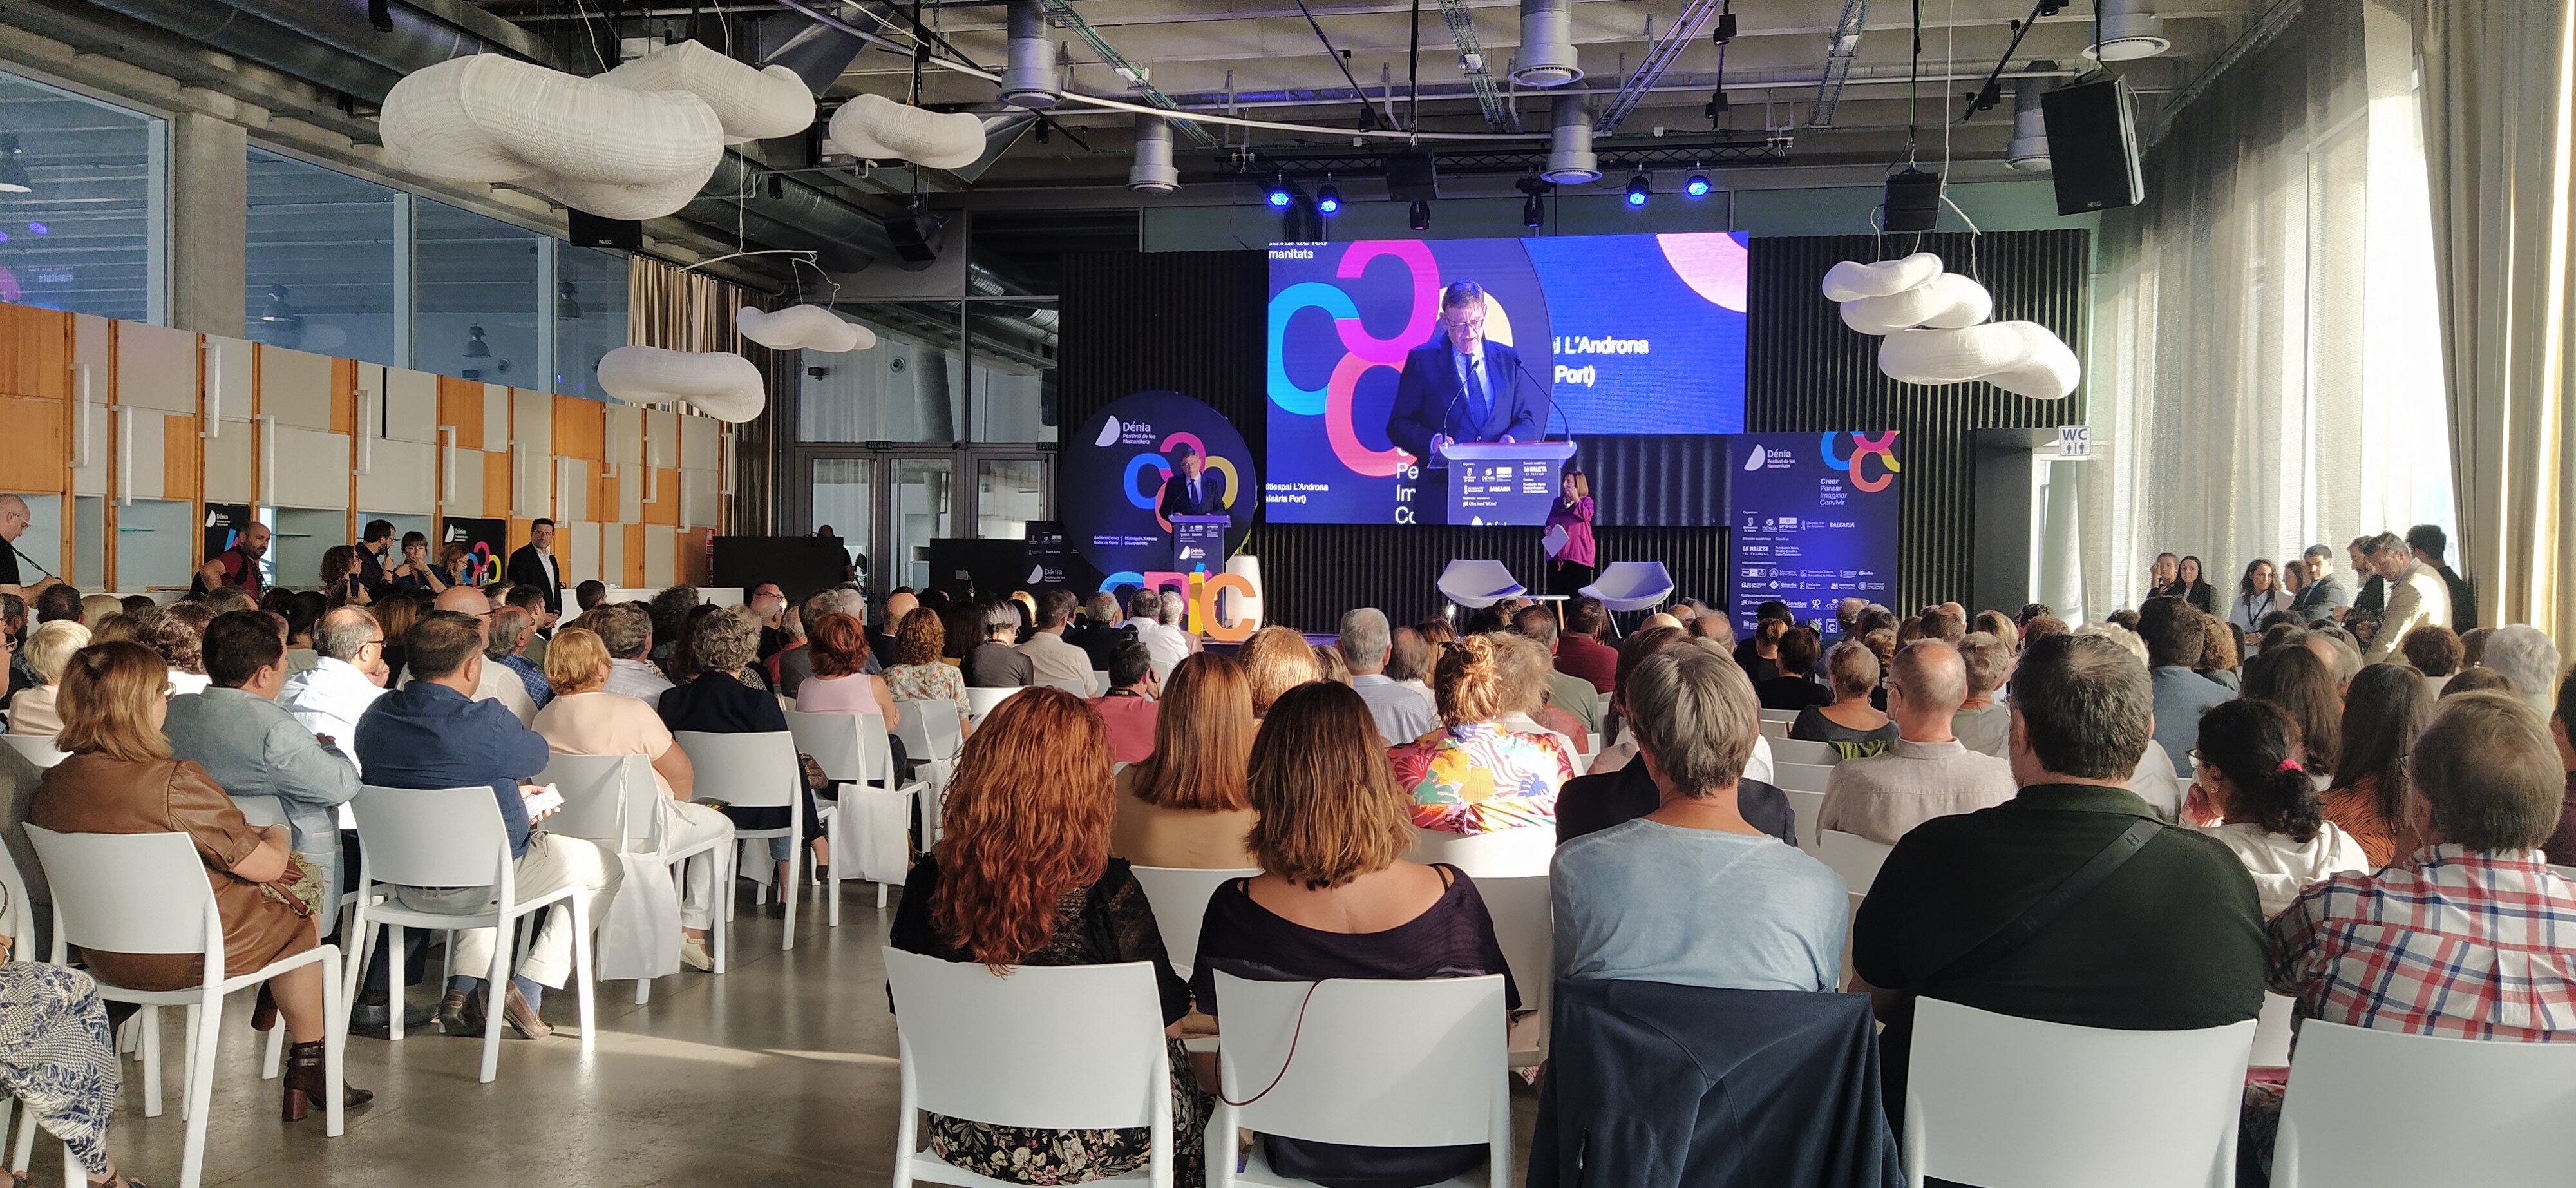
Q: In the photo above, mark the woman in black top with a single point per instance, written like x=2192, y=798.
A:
x=1792, y=688
x=1005, y=894
x=1339, y=901
x=2189, y=586
x=1850, y=719
x=721, y=702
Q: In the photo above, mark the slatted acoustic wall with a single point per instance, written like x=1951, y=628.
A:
x=1806, y=371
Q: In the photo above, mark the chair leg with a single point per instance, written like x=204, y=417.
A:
x=188, y=1059
x=200, y=1091
x=832, y=909
x=881, y=897
x=150, y=1019
x=357, y=930
x=795, y=877
x=394, y=961
x=581, y=972
x=496, y=992
x=25, y=1150
x=335, y=1040
x=721, y=925
x=73, y=1172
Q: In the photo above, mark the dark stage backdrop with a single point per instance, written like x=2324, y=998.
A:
x=1193, y=322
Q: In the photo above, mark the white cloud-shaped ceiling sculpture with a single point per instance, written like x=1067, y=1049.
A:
x=1937, y=333
x=718, y=383
x=751, y=104
x=803, y=328
x=879, y=129
x=606, y=149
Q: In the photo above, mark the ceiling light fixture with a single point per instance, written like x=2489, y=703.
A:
x=1279, y=196
x=1640, y=188
x=1533, y=211
x=1697, y=186
x=1328, y=200
x=2122, y=32
x=1420, y=214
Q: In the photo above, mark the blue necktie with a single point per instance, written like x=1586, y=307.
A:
x=1474, y=383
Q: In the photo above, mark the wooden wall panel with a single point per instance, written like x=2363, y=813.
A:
x=344, y=386
x=35, y=450
x=581, y=429
x=35, y=352
x=634, y=572
x=460, y=403
x=666, y=509
x=180, y=456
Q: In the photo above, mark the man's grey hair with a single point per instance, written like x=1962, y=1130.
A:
x=853, y=603
x=1104, y=608
x=818, y=606
x=2525, y=655
x=1145, y=604
x=1169, y=607
x=1000, y=615
x=1408, y=655
x=1465, y=292
x=1693, y=709
x=502, y=632
x=343, y=631
x=1365, y=640
x=1932, y=674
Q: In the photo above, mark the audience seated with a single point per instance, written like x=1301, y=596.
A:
x=2220, y=650
x=2476, y=680
x=1850, y=721
x=1619, y=789
x=1525, y=671
x=1472, y=775
x=1691, y=893
x=1572, y=694
x=2250, y=791
x=917, y=673
x=1401, y=713
x=1166, y=644
x=1052, y=659
x=1793, y=661
x=95, y=607
x=1579, y=650
x=583, y=719
x=2175, y=640
x=121, y=778
x=2387, y=707
x=303, y=611
x=2475, y=938
x=1275, y=660
x=999, y=892
x=1982, y=724
x=889, y=621
x=2562, y=842
x=1183, y=805
x=1337, y=899
x=2434, y=650
x=1408, y=661
x=1999, y=625
x=2172, y=938
x=2526, y=657
x=1927, y=772
x=794, y=662
x=397, y=613
x=668, y=612
x=176, y=632
x=238, y=734
x=2305, y=688
x=838, y=650
x=993, y=662
x=1329, y=665
x=1096, y=631
x=718, y=701
x=1759, y=653
x=430, y=734
x=60, y=1046
x=499, y=682
x=1131, y=707
x=49, y=647
x=627, y=630
x=509, y=632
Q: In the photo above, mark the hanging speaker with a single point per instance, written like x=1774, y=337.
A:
x=1913, y=202
x=916, y=236
x=589, y=230
x=2093, y=146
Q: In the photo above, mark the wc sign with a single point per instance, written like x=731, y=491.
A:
x=2074, y=443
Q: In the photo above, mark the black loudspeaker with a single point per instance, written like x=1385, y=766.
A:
x=917, y=236
x=1913, y=202
x=2093, y=146
x=1412, y=175
x=589, y=230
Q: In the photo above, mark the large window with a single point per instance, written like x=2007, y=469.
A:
x=80, y=203
x=322, y=260
x=589, y=316
x=1012, y=346
x=910, y=387
x=475, y=281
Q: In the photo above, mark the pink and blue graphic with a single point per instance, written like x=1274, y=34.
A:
x=1622, y=334
x=1813, y=518
x=1116, y=463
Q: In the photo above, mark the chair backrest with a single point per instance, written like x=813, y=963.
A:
x=1633, y=579
x=1524, y=924
x=1078, y=686
x=1783, y=717
x=1376, y=1063
x=1076, y=1047
x=1808, y=752
x=929, y=729
x=1099, y=683
x=38, y=750
x=1503, y=853
x=1775, y=730
x=432, y=837
x=2272, y=1032
x=1180, y=900
x=1809, y=808
x=129, y=893
x=18, y=916
x=261, y=811
x=607, y=798
x=1477, y=584
x=1799, y=777
x=833, y=741
x=1852, y=856
x=2005, y=1102
x=2368, y=1108
x=750, y=770
x=980, y=702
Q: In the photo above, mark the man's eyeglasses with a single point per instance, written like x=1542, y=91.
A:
x=1463, y=323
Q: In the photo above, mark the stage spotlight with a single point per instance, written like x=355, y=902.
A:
x=1725, y=31
x=1421, y=215
x=1533, y=212
x=1640, y=188
x=1328, y=199
x=1697, y=186
x=1279, y=196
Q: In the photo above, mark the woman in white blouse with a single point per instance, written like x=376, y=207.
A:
x=2250, y=790
x=2259, y=596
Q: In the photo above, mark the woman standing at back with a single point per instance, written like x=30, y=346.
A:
x=1184, y=805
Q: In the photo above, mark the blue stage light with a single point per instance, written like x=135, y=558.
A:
x=1279, y=195
x=1328, y=199
x=1640, y=187
x=1697, y=186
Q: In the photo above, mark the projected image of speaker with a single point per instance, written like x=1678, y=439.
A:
x=2093, y=146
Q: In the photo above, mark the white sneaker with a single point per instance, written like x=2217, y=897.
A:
x=694, y=955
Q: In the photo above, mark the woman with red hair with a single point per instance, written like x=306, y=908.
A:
x=1022, y=876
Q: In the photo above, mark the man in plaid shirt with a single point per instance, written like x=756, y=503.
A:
x=2478, y=941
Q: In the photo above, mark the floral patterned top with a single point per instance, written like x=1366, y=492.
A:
x=934, y=681
x=1480, y=778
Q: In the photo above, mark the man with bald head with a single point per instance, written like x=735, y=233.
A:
x=14, y=518
x=881, y=641
x=347, y=676
x=1928, y=773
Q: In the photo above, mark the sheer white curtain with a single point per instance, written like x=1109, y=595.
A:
x=2266, y=357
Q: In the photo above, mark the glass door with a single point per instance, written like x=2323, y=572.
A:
x=1009, y=492
x=843, y=498
x=918, y=501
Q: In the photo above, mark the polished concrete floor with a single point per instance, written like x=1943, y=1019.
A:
x=781, y=1072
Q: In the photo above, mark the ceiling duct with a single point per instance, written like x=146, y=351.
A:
x=1153, y=172
x=1546, y=56
x=332, y=44
x=818, y=53
x=2127, y=32
x=1570, y=160
x=2029, y=151
x=1029, y=79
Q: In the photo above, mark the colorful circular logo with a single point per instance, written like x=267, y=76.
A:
x=1117, y=464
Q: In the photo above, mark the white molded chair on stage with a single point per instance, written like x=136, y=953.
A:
x=1478, y=584
x=2363, y=1107
x=1074, y=1047
x=1631, y=585
x=2018, y=1103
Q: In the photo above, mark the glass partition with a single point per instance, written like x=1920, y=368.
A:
x=910, y=387
x=320, y=253
x=589, y=314
x=475, y=286
x=1012, y=345
x=81, y=218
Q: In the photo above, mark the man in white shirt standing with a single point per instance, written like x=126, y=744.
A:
x=1054, y=661
x=2416, y=596
x=1402, y=714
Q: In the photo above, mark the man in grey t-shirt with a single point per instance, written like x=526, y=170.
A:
x=1691, y=894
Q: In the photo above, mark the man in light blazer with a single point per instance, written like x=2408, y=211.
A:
x=2416, y=596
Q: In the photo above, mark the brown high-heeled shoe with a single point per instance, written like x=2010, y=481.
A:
x=304, y=1087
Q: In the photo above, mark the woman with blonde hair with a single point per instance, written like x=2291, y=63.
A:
x=1337, y=899
x=49, y=647
x=2001, y=626
x=1474, y=775
x=585, y=719
x=1526, y=669
x=1022, y=877
x=1184, y=805
x=1275, y=660
x=99, y=606
x=120, y=778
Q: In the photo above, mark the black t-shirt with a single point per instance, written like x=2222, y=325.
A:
x=9, y=563
x=1590, y=804
x=1791, y=693
x=2171, y=941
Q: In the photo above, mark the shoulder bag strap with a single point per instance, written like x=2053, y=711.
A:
x=2018, y=931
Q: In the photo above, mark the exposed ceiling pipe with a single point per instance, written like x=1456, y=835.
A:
x=2125, y=31
x=2029, y=151
x=1153, y=171
x=1547, y=56
x=782, y=211
x=1570, y=160
x=332, y=44
x=1029, y=77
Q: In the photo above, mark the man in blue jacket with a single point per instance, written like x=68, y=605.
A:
x=1461, y=388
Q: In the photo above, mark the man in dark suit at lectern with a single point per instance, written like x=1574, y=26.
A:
x=1461, y=388
x=1191, y=492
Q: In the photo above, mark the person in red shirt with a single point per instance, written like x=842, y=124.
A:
x=1579, y=650
x=1129, y=706
x=238, y=565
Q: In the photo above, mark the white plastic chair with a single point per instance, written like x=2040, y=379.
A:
x=2017, y=1103
x=1478, y=584
x=1524, y=925
x=2363, y=1108
x=37, y=750
x=980, y=702
x=612, y=800
x=757, y=770
x=18, y=923
x=1631, y=585
x=852, y=748
x=1180, y=898
x=1075, y=1047
x=934, y=734
x=150, y=893
x=261, y=812
x=1366, y=1063
x=1783, y=717
x=1099, y=683
x=452, y=837
x=1852, y=856
x=1799, y=777
x=1809, y=808
x=2272, y=1032
x=1785, y=749
x=1501, y=854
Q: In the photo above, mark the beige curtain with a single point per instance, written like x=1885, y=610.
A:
x=678, y=310
x=2499, y=83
